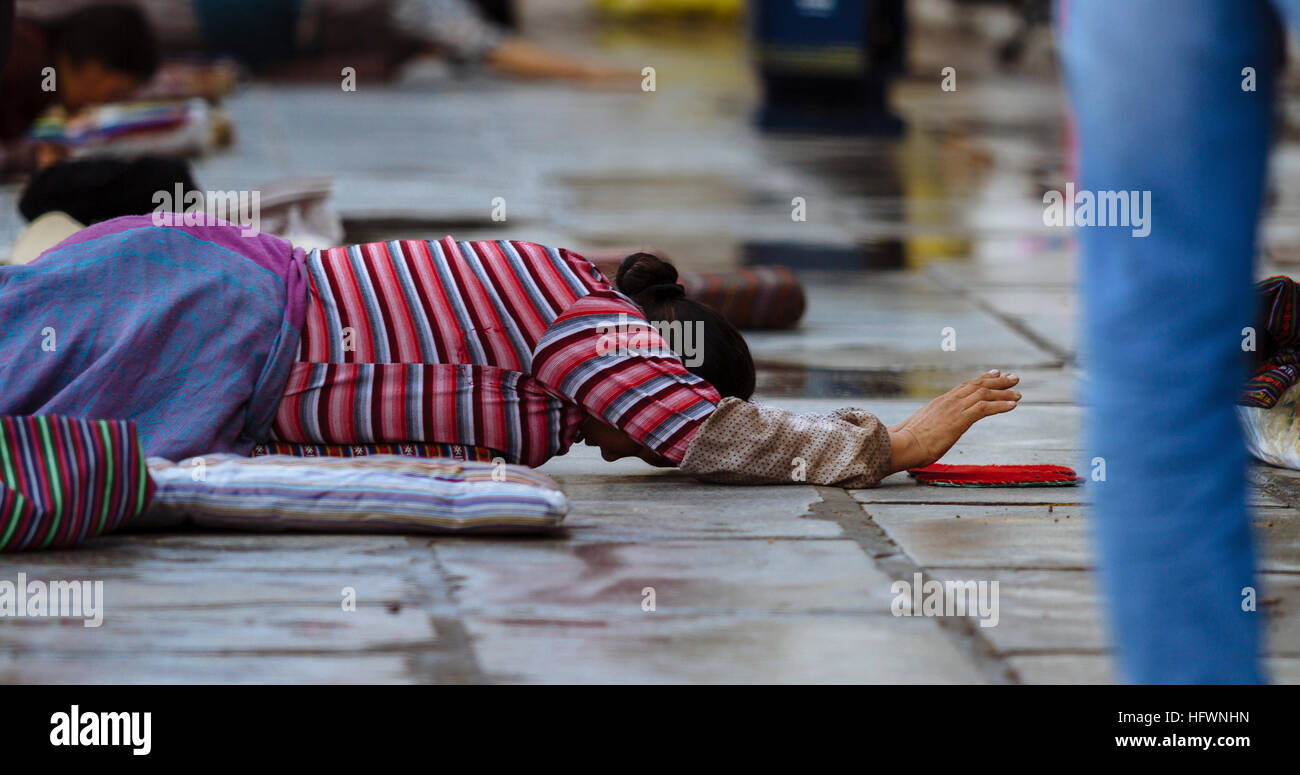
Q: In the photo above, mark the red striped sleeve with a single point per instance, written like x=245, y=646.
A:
x=602, y=354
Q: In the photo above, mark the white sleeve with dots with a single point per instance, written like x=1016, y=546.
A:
x=745, y=443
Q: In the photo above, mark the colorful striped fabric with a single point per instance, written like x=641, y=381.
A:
x=449, y=451
x=763, y=297
x=187, y=331
x=505, y=345
x=65, y=480
x=376, y=493
x=1277, y=353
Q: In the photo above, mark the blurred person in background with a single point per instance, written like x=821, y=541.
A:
x=6, y=30
x=1174, y=97
x=268, y=35
x=98, y=55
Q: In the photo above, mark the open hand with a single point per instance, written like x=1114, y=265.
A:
x=927, y=435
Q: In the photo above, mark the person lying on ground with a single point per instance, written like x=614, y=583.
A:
x=212, y=341
x=288, y=37
x=87, y=57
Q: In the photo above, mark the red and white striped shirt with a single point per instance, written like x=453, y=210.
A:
x=506, y=345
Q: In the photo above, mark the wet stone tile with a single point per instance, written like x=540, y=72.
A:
x=546, y=579
x=651, y=648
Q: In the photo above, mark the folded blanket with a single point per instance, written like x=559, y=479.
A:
x=64, y=480
x=374, y=493
x=1277, y=351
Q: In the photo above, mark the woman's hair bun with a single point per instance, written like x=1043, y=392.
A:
x=642, y=272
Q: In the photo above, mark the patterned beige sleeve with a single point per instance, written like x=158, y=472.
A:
x=744, y=443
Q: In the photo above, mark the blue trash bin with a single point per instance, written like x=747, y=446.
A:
x=825, y=65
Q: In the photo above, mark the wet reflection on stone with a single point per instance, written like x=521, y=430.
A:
x=788, y=381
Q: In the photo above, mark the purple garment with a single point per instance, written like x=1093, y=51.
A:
x=189, y=331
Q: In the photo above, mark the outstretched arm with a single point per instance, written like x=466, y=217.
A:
x=460, y=29
x=744, y=443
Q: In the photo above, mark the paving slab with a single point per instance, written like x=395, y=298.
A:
x=246, y=629
x=158, y=587
x=902, y=489
x=653, y=508
x=1279, y=537
x=880, y=320
x=664, y=171
x=1047, y=270
x=228, y=607
x=55, y=667
x=966, y=536
x=1040, y=610
x=201, y=570
x=557, y=579
x=1049, y=312
x=1097, y=669
x=1049, y=611
x=650, y=648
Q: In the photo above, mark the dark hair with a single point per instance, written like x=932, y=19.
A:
x=116, y=36
x=725, y=363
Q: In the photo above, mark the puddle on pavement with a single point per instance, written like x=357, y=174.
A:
x=786, y=381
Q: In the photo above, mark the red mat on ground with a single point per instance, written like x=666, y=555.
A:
x=996, y=476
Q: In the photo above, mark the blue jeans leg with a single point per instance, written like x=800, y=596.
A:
x=1157, y=93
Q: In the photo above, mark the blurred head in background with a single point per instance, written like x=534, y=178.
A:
x=101, y=54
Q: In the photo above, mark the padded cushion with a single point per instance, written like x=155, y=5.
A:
x=996, y=476
x=373, y=493
x=763, y=297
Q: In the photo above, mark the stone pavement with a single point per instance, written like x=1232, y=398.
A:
x=772, y=584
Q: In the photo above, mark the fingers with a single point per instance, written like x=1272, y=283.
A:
x=992, y=394
x=993, y=379
x=996, y=379
x=989, y=408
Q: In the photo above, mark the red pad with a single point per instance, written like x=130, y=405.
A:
x=996, y=476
